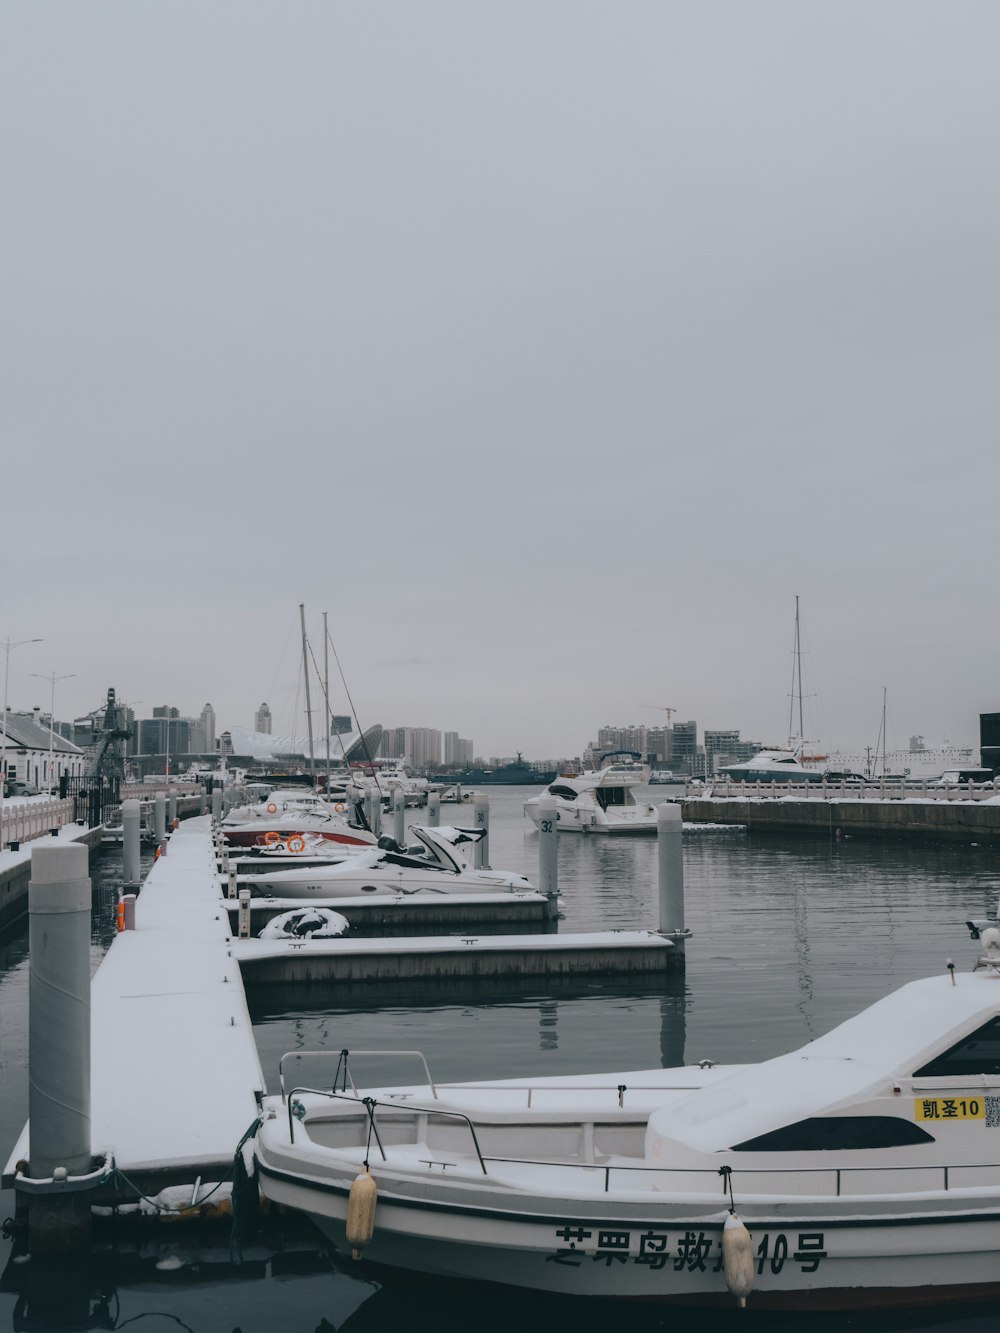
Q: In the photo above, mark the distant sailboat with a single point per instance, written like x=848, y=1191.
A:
x=787, y=765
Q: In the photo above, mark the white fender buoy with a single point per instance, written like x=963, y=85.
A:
x=361, y=1212
x=737, y=1259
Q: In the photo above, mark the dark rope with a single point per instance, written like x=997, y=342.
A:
x=726, y=1172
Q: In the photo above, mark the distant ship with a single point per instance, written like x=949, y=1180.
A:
x=517, y=774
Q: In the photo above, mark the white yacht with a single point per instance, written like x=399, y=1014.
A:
x=288, y=812
x=772, y=766
x=437, y=863
x=862, y=1170
x=601, y=802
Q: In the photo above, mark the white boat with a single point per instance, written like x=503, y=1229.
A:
x=289, y=812
x=865, y=1167
x=601, y=802
x=772, y=766
x=392, y=775
x=435, y=864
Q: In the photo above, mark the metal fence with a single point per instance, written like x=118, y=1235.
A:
x=875, y=790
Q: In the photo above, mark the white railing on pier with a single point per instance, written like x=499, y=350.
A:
x=152, y=787
x=24, y=820
x=874, y=790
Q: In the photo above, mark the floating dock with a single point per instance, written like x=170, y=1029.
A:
x=176, y=1080
x=414, y=912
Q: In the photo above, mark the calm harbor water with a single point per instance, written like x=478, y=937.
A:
x=790, y=937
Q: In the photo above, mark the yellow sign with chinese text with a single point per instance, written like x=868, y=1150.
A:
x=950, y=1108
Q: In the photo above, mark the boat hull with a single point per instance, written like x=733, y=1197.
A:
x=585, y=819
x=242, y=836
x=669, y=1253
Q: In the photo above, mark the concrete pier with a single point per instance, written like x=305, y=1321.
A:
x=912, y=820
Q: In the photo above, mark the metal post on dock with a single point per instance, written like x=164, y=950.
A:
x=244, y=926
x=231, y=874
x=399, y=816
x=159, y=817
x=128, y=914
x=670, y=850
x=376, y=818
x=433, y=809
x=59, y=1047
x=482, y=821
x=171, y=807
x=548, y=850
x=216, y=804
x=131, y=840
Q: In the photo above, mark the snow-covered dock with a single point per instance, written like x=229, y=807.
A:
x=416, y=912
x=175, y=1076
x=607, y=953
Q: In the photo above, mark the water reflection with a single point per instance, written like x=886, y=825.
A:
x=789, y=939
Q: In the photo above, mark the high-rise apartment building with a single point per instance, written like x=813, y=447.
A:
x=262, y=720
x=684, y=745
x=206, y=731
x=420, y=746
x=456, y=749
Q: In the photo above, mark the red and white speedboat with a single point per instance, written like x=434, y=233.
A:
x=289, y=813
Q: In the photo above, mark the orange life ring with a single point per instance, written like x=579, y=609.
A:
x=272, y=809
x=339, y=807
x=270, y=838
x=296, y=845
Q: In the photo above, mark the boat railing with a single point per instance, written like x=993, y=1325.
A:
x=822, y=1181
x=371, y=1105
x=342, y=1074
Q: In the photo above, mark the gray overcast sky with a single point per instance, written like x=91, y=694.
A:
x=551, y=346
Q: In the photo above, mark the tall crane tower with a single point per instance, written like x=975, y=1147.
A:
x=108, y=759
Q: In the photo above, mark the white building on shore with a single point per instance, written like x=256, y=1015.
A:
x=28, y=748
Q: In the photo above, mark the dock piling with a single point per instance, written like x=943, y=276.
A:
x=131, y=838
x=217, y=804
x=59, y=1045
x=548, y=850
x=482, y=821
x=670, y=852
x=172, y=807
x=433, y=809
x=399, y=815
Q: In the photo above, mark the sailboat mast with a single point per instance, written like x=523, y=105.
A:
x=305, y=673
x=796, y=686
x=798, y=667
x=326, y=696
x=885, y=690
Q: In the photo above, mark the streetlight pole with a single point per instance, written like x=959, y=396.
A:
x=8, y=645
x=52, y=710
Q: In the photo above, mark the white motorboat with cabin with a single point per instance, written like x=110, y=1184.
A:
x=600, y=802
x=772, y=766
x=289, y=812
x=437, y=863
x=861, y=1170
